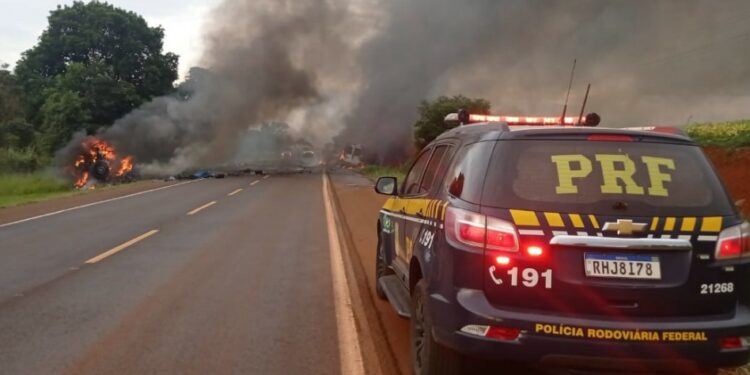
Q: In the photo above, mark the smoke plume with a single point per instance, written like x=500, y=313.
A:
x=265, y=60
x=648, y=61
x=359, y=69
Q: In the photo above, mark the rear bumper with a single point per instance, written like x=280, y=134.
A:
x=668, y=345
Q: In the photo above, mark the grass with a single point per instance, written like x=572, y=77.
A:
x=16, y=189
x=730, y=134
x=376, y=171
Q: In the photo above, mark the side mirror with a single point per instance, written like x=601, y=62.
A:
x=387, y=186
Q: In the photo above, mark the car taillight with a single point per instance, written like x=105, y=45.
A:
x=492, y=332
x=734, y=242
x=475, y=231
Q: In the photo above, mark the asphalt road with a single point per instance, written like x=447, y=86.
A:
x=242, y=285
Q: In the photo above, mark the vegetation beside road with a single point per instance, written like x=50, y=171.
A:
x=730, y=134
x=376, y=171
x=16, y=189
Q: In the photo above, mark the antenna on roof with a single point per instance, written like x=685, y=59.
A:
x=570, y=85
x=583, y=106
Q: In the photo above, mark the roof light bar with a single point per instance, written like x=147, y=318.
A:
x=466, y=118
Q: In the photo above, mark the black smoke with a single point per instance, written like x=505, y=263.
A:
x=359, y=69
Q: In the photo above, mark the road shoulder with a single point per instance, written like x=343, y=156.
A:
x=357, y=206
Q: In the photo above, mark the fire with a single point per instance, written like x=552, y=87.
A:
x=126, y=165
x=81, y=182
x=93, y=161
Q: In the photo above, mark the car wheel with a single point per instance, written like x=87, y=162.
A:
x=381, y=269
x=428, y=357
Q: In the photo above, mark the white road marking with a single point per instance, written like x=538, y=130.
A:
x=122, y=247
x=266, y=177
x=94, y=204
x=201, y=208
x=254, y=183
x=350, y=354
x=234, y=192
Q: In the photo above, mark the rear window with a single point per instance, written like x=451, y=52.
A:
x=606, y=178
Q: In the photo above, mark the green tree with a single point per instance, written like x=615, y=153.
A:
x=11, y=107
x=431, y=122
x=63, y=114
x=106, y=44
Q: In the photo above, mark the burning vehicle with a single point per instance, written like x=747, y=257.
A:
x=351, y=156
x=97, y=162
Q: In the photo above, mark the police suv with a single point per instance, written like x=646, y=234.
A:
x=568, y=246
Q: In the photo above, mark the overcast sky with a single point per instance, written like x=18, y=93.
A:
x=22, y=21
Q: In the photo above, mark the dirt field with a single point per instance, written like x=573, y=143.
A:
x=734, y=168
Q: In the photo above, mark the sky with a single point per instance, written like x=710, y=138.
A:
x=182, y=21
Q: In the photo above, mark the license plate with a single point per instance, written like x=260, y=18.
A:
x=622, y=266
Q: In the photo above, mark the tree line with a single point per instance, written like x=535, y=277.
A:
x=93, y=64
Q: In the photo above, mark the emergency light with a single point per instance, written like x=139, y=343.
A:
x=463, y=117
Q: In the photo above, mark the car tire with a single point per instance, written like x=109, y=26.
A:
x=428, y=357
x=381, y=269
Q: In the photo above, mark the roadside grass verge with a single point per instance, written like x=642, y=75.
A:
x=376, y=171
x=730, y=134
x=16, y=189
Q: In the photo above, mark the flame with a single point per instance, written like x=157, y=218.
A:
x=81, y=182
x=126, y=165
x=94, y=150
x=80, y=161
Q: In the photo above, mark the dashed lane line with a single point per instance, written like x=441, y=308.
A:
x=254, y=183
x=201, y=208
x=122, y=247
x=234, y=192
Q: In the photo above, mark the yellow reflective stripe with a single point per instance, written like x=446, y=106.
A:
x=654, y=223
x=391, y=204
x=711, y=224
x=594, y=222
x=554, y=219
x=413, y=206
x=445, y=208
x=521, y=217
x=576, y=220
x=688, y=224
x=669, y=224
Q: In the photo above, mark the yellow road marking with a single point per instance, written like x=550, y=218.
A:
x=201, y=208
x=254, y=183
x=122, y=247
x=234, y=192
